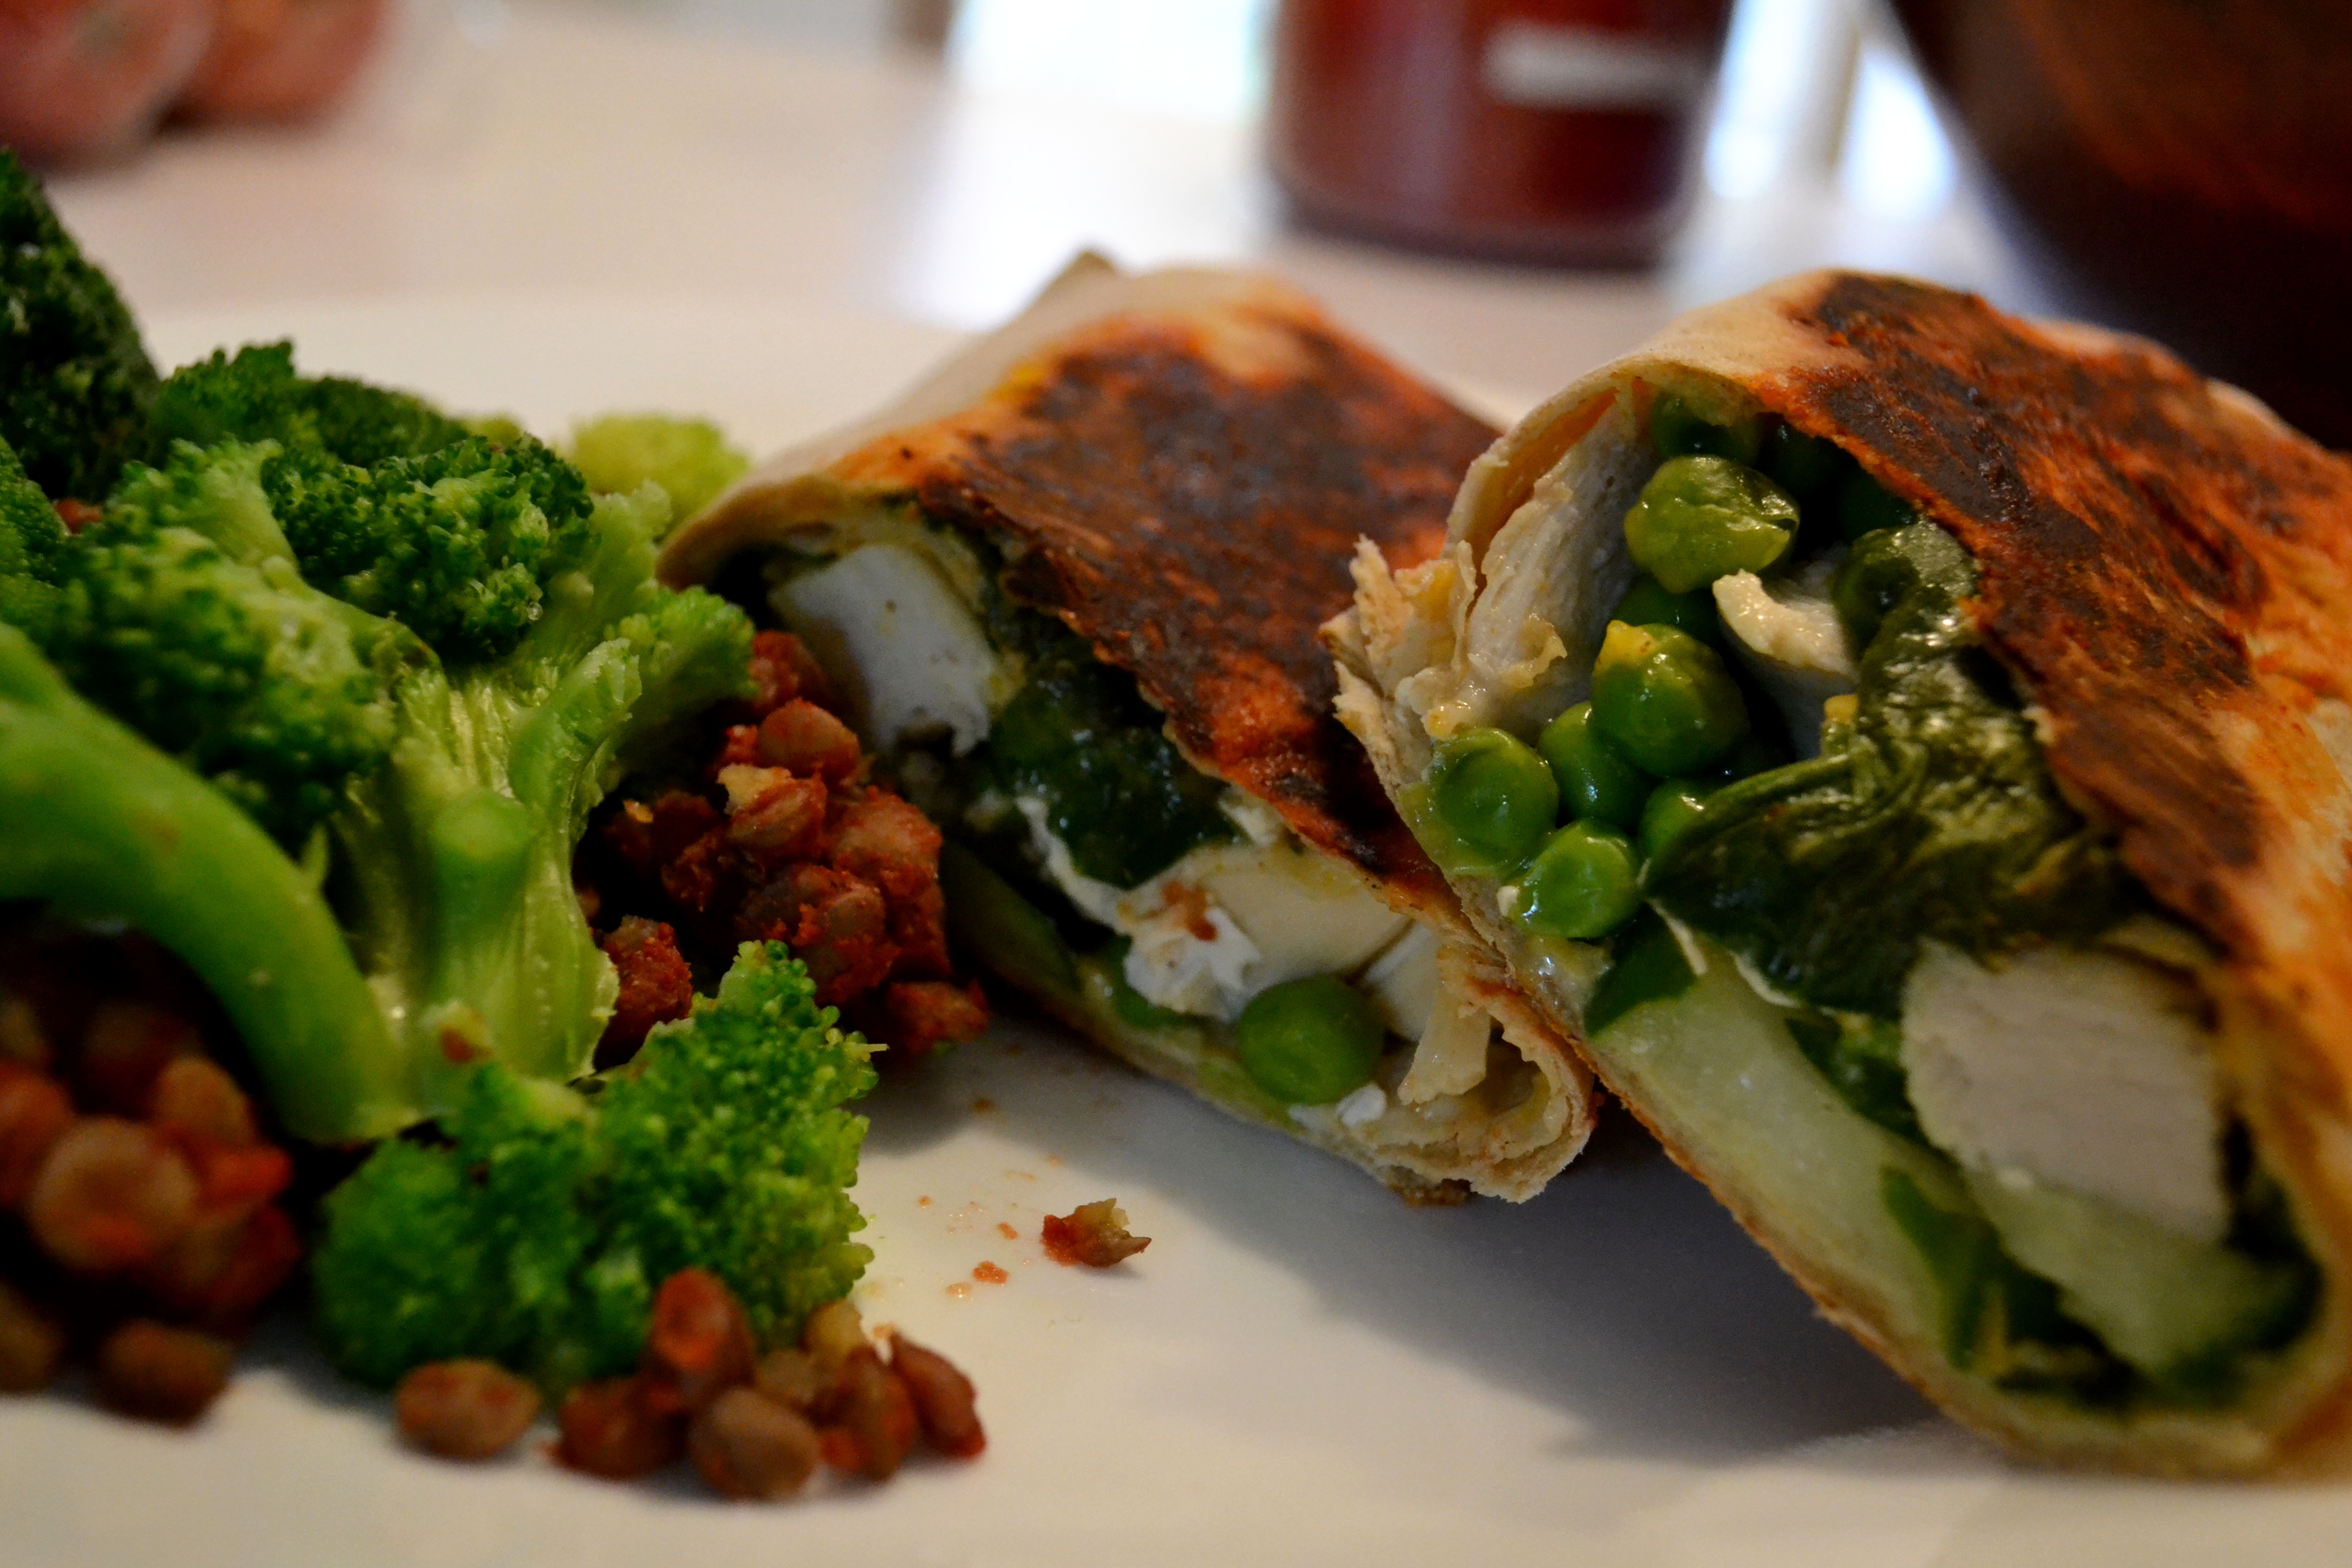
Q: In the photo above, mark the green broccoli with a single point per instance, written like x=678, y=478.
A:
x=457, y=544
x=386, y=502
x=182, y=613
x=32, y=546
x=258, y=396
x=126, y=833
x=690, y=458
x=75, y=380
x=454, y=863
x=453, y=792
x=537, y=1235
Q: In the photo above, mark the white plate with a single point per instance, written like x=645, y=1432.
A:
x=1300, y=1370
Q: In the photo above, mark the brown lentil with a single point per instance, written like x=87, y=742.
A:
x=110, y=1195
x=607, y=1428
x=159, y=1373
x=748, y=1445
x=464, y=1409
x=32, y=1346
x=943, y=1398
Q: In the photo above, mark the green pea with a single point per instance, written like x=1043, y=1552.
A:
x=1702, y=518
x=1679, y=430
x=1669, y=812
x=1493, y=794
x=1807, y=467
x=1584, y=883
x=1666, y=699
x=1595, y=779
x=1647, y=603
x=1865, y=506
x=1309, y=1042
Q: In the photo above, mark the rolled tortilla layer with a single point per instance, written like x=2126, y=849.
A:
x=1174, y=466
x=2163, y=571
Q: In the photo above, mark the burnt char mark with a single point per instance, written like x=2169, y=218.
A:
x=1195, y=525
x=2121, y=526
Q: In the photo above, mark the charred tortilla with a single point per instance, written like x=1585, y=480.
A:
x=2160, y=575
x=1174, y=468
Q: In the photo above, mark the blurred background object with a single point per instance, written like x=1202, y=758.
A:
x=84, y=80
x=1541, y=130
x=88, y=78
x=2179, y=167
x=941, y=159
x=281, y=59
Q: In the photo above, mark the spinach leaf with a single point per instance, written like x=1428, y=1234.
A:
x=1645, y=965
x=1929, y=815
x=1862, y=1060
x=1080, y=736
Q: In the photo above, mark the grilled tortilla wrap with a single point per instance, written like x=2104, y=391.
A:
x=1073, y=583
x=2012, y=1011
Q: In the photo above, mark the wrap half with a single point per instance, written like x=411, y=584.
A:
x=1999, y=978
x=1072, y=583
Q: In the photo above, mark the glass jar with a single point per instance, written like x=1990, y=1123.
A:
x=1562, y=131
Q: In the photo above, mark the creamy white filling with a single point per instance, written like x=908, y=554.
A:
x=911, y=655
x=1227, y=920
x=1788, y=632
x=2089, y=1070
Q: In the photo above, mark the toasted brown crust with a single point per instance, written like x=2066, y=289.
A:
x=2141, y=538
x=1192, y=516
x=1184, y=489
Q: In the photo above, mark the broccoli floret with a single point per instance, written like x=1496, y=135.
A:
x=337, y=604
x=32, y=545
x=75, y=380
x=106, y=827
x=538, y=1234
x=386, y=502
x=457, y=544
x=690, y=458
x=181, y=613
x=258, y=396
x=452, y=793
x=454, y=863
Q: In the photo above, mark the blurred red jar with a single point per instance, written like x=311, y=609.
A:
x=1560, y=131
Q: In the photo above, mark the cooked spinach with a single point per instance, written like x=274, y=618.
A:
x=1645, y=965
x=1862, y=1060
x=1929, y=815
x=1081, y=737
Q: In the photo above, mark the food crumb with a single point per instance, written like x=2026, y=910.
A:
x=1094, y=1235
x=961, y=1290
x=1022, y=1175
x=989, y=1274
x=923, y=1202
x=1007, y=1232
x=983, y=1105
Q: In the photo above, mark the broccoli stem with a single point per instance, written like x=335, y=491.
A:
x=459, y=899
x=126, y=833
x=455, y=859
